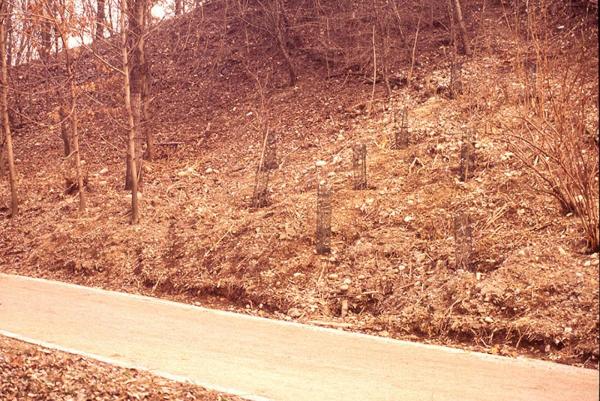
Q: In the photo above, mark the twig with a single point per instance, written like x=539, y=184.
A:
x=414, y=49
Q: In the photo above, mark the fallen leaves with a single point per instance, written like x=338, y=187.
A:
x=29, y=373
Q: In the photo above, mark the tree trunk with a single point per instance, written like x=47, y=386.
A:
x=66, y=138
x=145, y=86
x=125, y=33
x=136, y=82
x=414, y=52
x=178, y=7
x=9, y=34
x=464, y=36
x=64, y=131
x=14, y=205
x=76, y=151
x=100, y=20
x=150, y=143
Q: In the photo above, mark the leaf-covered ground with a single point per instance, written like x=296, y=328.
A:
x=32, y=373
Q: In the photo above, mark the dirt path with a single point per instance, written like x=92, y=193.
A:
x=264, y=359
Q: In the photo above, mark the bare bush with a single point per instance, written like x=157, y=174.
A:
x=555, y=140
x=566, y=167
x=560, y=150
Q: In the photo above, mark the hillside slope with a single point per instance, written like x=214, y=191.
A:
x=530, y=290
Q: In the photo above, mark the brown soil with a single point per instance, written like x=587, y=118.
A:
x=28, y=372
x=531, y=289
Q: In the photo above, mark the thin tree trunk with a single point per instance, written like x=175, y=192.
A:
x=9, y=34
x=150, y=142
x=464, y=36
x=76, y=150
x=136, y=108
x=64, y=131
x=14, y=205
x=145, y=86
x=178, y=7
x=100, y=20
x=130, y=119
x=414, y=52
x=66, y=138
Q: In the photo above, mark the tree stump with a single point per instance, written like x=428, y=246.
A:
x=463, y=239
x=359, y=166
x=323, y=234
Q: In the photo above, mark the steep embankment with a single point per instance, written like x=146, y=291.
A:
x=531, y=290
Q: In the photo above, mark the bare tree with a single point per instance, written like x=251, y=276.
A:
x=60, y=20
x=75, y=151
x=5, y=120
x=133, y=128
x=137, y=81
